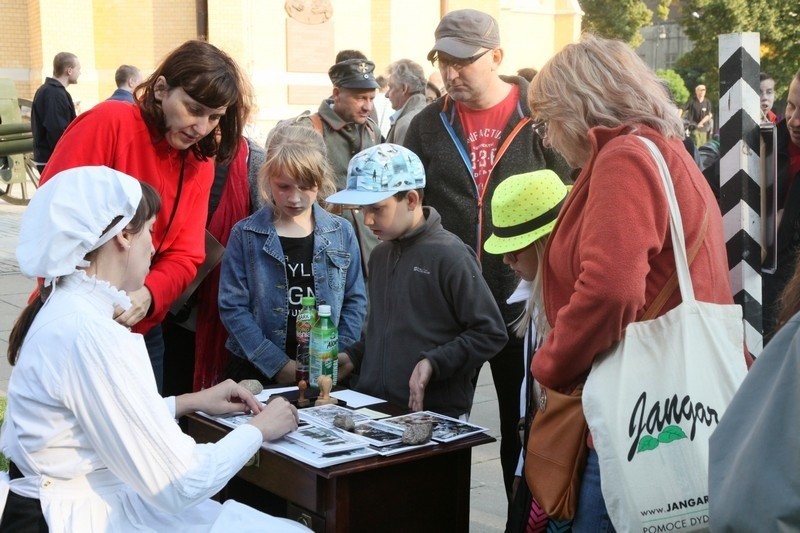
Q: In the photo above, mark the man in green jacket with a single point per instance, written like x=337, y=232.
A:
x=346, y=125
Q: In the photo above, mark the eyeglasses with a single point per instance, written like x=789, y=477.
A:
x=540, y=128
x=456, y=63
x=514, y=256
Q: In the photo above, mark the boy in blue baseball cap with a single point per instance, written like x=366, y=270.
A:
x=432, y=320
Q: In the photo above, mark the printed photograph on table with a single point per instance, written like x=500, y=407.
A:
x=324, y=414
x=306, y=455
x=378, y=434
x=326, y=440
x=232, y=421
x=399, y=447
x=445, y=429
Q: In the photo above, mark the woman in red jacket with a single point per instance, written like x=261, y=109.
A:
x=610, y=252
x=164, y=140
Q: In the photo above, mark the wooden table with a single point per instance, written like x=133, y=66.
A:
x=418, y=491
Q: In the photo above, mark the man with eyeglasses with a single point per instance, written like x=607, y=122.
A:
x=469, y=142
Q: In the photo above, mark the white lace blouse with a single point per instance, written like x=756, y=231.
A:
x=87, y=427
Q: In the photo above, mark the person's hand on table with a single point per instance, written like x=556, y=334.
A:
x=140, y=305
x=277, y=418
x=221, y=399
x=419, y=380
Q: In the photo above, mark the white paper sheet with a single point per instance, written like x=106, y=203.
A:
x=355, y=399
x=264, y=395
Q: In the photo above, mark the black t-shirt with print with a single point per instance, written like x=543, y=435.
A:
x=298, y=253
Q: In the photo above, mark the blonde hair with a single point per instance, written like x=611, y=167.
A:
x=606, y=84
x=299, y=152
x=535, y=301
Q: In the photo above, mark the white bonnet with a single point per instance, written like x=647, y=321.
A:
x=66, y=218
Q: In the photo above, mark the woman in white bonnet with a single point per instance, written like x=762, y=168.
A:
x=92, y=445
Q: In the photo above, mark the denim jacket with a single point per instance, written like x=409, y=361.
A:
x=253, y=296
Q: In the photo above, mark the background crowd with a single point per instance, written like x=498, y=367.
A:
x=466, y=218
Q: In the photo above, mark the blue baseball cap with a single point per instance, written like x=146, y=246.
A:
x=379, y=172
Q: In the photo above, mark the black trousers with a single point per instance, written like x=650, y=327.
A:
x=22, y=515
x=507, y=372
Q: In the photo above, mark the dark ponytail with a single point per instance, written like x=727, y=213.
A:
x=24, y=321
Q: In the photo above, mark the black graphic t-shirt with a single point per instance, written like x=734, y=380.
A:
x=299, y=254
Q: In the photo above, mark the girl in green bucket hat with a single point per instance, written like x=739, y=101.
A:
x=524, y=211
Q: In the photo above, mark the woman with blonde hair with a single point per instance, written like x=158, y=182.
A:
x=524, y=211
x=288, y=249
x=611, y=252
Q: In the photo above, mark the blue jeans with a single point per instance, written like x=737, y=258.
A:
x=591, y=515
x=154, y=340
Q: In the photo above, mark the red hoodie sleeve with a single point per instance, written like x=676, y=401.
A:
x=115, y=135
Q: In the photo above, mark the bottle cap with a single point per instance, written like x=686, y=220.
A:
x=324, y=310
x=307, y=301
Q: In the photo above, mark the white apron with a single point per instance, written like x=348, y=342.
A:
x=100, y=501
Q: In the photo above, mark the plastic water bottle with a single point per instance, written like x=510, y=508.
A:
x=324, y=347
x=303, y=323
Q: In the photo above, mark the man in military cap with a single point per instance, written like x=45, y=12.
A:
x=347, y=127
x=349, y=116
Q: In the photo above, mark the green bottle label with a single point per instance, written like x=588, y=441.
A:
x=324, y=351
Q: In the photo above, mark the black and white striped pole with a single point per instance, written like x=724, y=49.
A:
x=740, y=191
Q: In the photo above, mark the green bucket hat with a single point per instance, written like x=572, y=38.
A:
x=524, y=208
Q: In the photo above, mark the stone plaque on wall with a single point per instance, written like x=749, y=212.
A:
x=308, y=94
x=309, y=48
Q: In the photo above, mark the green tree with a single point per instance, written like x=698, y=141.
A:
x=616, y=19
x=677, y=88
x=662, y=9
x=777, y=22
x=780, y=44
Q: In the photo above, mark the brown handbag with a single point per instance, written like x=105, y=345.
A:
x=556, y=452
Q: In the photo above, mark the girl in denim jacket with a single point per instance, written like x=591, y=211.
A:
x=288, y=249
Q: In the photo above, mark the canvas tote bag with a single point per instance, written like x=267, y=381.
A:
x=654, y=399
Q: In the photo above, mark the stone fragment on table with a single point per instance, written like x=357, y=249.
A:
x=344, y=421
x=253, y=385
x=418, y=433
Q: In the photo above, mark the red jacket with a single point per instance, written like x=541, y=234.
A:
x=114, y=134
x=610, y=252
